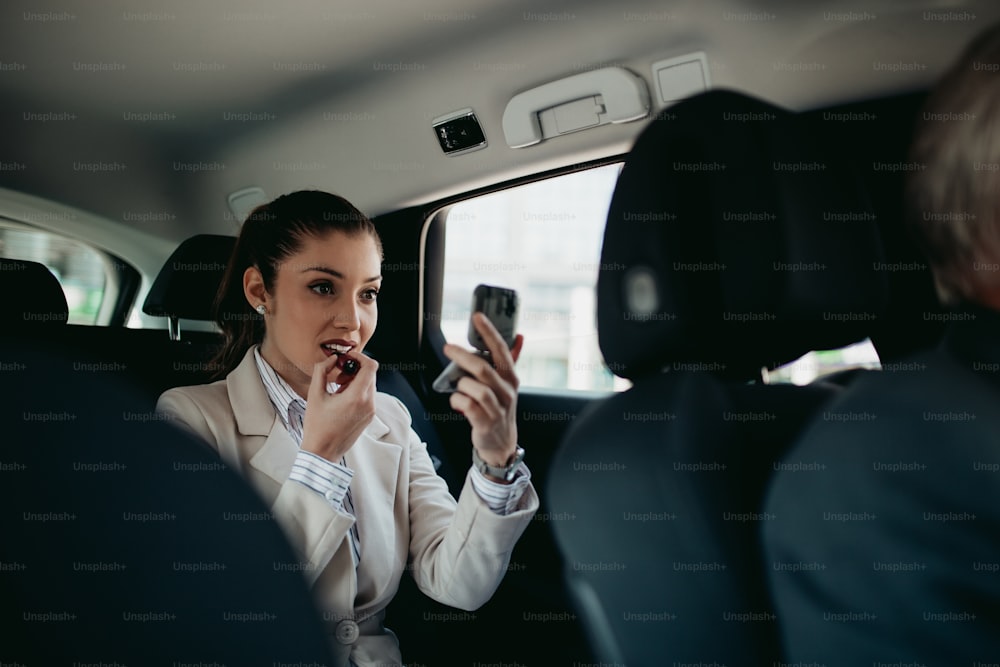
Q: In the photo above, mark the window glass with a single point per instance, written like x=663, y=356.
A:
x=815, y=365
x=544, y=240
x=77, y=267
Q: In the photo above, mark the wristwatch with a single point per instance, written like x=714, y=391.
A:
x=505, y=473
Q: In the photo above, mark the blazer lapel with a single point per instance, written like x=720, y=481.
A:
x=267, y=446
x=375, y=462
x=276, y=454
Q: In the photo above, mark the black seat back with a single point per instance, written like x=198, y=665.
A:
x=186, y=285
x=32, y=295
x=125, y=541
x=716, y=263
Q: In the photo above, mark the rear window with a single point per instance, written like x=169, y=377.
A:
x=79, y=268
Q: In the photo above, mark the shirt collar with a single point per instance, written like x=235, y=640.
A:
x=282, y=396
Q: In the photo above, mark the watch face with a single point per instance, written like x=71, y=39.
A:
x=512, y=468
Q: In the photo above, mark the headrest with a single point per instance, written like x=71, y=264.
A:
x=32, y=295
x=188, y=281
x=734, y=243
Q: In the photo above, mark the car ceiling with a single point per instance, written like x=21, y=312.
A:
x=342, y=93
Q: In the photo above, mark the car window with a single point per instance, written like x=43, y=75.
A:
x=819, y=363
x=79, y=268
x=544, y=240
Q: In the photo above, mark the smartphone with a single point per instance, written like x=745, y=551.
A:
x=500, y=305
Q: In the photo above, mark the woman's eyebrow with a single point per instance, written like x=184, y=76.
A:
x=337, y=274
x=324, y=269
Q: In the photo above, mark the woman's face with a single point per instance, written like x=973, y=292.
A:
x=323, y=300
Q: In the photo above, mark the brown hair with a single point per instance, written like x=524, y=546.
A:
x=271, y=233
x=954, y=195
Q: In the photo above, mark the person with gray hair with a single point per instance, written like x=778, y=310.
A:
x=954, y=198
x=888, y=551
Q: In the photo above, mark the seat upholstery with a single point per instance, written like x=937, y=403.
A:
x=716, y=262
x=32, y=295
x=127, y=542
x=187, y=283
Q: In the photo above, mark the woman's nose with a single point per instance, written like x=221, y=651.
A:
x=345, y=316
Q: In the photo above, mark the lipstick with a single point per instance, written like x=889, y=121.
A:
x=348, y=365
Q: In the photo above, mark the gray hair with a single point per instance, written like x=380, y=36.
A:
x=953, y=192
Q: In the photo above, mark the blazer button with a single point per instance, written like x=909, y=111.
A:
x=347, y=631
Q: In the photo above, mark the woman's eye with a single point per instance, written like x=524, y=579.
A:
x=322, y=288
x=369, y=294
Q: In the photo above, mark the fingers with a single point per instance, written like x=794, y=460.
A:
x=490, y=335
x=465, y=405
x=333, y=422
x=336, y=369
x=515, y=352
x=484, y=397
x=492, y=431
x=482, y=415
x=488, y=395
x=351, y=370
x=502, y=359
x=317, y=384
x=482, y=370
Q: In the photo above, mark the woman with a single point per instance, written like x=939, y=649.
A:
x=343, y=471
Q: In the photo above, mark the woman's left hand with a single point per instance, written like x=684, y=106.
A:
x=488, y=396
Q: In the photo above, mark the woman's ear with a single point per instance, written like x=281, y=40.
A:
x=254, y=289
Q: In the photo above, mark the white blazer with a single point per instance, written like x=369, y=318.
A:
x=458, y=551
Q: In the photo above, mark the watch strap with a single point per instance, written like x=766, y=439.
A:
x=506, y=472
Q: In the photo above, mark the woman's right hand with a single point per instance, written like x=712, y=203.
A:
x=333, y=422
